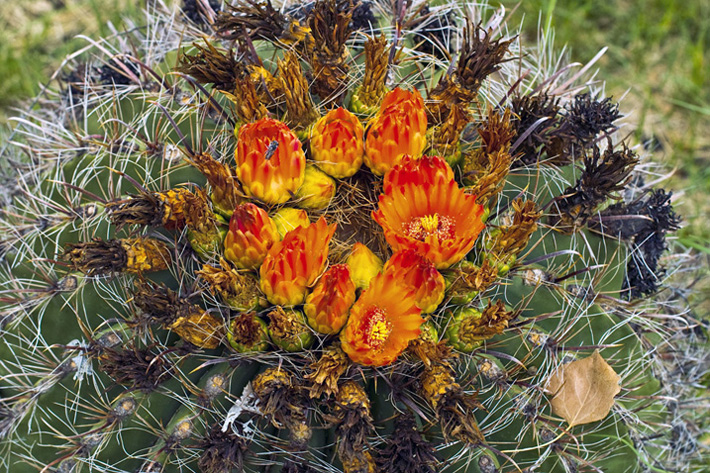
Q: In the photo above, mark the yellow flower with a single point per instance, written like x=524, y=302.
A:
x=270, y=161
x=421, y=275
x=293, y=264
x=364, y=265
x=251, y=233
x=317, y=191
x=327, y=306
x=382, y=322
x=337, y=143
x=438, y=220
x=398, y=129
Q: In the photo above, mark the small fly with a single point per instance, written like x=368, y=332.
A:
x=273, y=146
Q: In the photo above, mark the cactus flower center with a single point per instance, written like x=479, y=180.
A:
x=377, y=327
x=440, y=226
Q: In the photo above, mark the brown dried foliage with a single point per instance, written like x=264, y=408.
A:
x=325, y=373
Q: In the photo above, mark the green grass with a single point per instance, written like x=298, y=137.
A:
x=36, y=35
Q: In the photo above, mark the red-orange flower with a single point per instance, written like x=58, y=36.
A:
x=270, y=161
x=251, y=233
x=337, y=144
x=327, y=306
x=398, y=129
x=419, y=171
x=437, y=220
x=421, y=275
x=382, y=322
x=294, y=263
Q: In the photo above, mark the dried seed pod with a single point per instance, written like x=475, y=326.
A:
x=248, y=333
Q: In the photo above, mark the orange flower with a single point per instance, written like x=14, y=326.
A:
x=270, y=161
x=425, y=170
x=294, y=263
x=327, y=306
x=421, y=275
x=399, y=128
x=337, y=143
x=251, y=233
x=437, y=220
x=382, y=322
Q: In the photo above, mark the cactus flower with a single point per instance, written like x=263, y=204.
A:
x=364, y=265
x=438, y=220
x=415, y=270
x=327, y=306
x=270, y=161
x=382, y=322
x=317, y=190
x=337, y=143
x=294, y=263
x=398, y=129
x=251, y=233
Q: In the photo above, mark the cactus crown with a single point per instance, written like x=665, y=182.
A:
x=331, y=236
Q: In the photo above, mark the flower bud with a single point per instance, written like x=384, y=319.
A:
x=270, y=160
x=317, y=190
x=337, y=143
x=294, y=264
x=251, y=233
x=288, y=218
x=364, y=265
x=327, y=306
x=398, y=129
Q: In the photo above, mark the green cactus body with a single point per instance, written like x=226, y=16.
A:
x=135, y=347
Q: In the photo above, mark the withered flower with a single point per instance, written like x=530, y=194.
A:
x=325, y=373
x=283, y=400
x=151, y=209
x=353, y=424
x=222, y=451
x=329, y=24
x=288, y=329
x=510, y=239
x=468, y=327
x=258, y=20
x=202, y=230
x=300, y=111
x=454, y=407
x=199, y=327
x=240, y=291
x=366, y=99
x=480, y=56
x=137, y=368
x=406, y=450
x=604, y=174
x=225, y=194
x=211, y=65
x=132, y=255
x=248, y=333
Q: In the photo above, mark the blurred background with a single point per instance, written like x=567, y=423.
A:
x=658, y=60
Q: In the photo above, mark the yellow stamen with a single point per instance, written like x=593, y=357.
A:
x=377, y=328
x=430, y=223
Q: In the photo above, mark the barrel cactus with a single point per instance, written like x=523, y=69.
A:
x=333, y=236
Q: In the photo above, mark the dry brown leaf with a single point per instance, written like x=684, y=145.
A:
x=583, y=390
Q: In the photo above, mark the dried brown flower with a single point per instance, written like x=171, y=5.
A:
x=325, y=373
x=133, y=255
